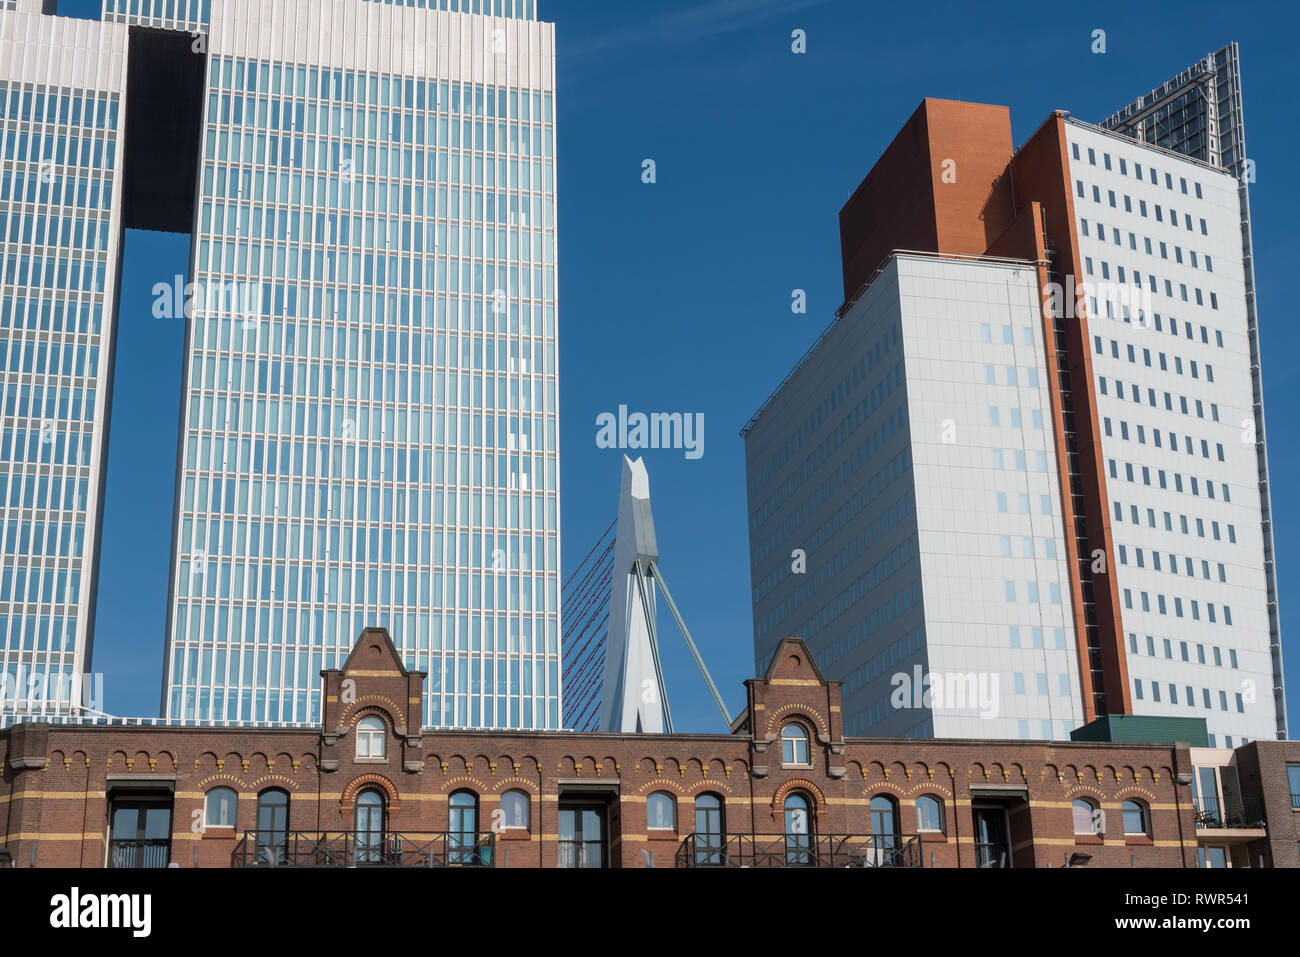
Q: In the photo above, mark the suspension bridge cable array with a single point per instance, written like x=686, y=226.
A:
x=585, y=611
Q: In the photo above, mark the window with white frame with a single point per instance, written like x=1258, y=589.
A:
x=794, y=744
x=515, y=810
x=661, y=811
x=372, y=738
x=219, y=808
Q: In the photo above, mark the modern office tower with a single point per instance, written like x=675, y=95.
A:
x=911, y=459
x=1199, y=113
x=368, y=414
x=1143, y=351
x=1178, y=398
x=62, y=89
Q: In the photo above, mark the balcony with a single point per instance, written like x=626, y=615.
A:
x=1241, y=818
x=995, y=854
x=353, y=849
x=141, y=853
x=800, y=850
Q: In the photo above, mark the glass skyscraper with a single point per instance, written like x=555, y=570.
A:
x=369, y=403
x=62, y=84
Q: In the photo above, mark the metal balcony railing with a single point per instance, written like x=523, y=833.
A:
x=362, y=849
x=1244, y=812
x=992, y=854
x=139, y=853
x=800, y=850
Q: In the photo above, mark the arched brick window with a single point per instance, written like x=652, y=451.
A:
x=794, y=744
x=372, y=738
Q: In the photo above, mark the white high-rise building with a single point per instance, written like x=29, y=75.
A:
x=1176, y=396
x=904, y=506
x=1200, y=114
x=1152, y=589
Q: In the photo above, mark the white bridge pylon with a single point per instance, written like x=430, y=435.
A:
x=635, y=699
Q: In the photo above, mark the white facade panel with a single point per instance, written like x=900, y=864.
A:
x=911, y=459
x=1176, y=405
x=995, y=578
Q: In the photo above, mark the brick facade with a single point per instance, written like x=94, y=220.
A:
x=59, y=781
x=1262, y=766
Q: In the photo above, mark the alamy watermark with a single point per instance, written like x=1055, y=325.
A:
x=655, y=430
x=29, y=690
x=1113, y=300
x=946, y=691
x=178, y=299
x=75, y=910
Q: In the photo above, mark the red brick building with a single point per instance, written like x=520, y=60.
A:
x=785, y=787
x=1269, y=779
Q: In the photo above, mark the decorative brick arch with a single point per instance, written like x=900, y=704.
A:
x=513, y=784
x=1138, y=793
x=780, y=716
x=665, y=784
x=465, y=782
x=886, y=789
x=798, y=784
x=1085, y=791
x=707, y=785
x=348, y=800
x=217, y=781
x=373, y=704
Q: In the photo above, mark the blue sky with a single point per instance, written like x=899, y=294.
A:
x=676, y=296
